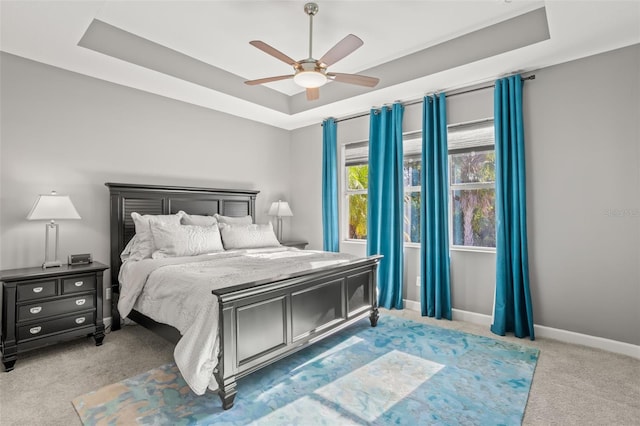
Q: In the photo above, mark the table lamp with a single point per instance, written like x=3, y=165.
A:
x=280, y=209
x=52, y=207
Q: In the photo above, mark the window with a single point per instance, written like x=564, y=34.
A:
x=412, y=175
x=472, y=184
x=356, y=185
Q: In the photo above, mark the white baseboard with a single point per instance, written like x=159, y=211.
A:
x=458, y=315
x=107, y=322
x=412, y=305
x=587, y=340
x=547, y=332
x=472, y=317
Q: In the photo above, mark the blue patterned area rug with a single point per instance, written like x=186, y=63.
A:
x=401, y=372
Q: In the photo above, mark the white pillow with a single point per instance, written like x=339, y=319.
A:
x=185, y=240
x=196, y=219
x=248, y=236
x=144, y=247
x=230, y=220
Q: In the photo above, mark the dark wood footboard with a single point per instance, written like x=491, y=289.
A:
x=263, y=322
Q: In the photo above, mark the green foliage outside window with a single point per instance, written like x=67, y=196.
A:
x=358, y=179
x=473, y=197
x=412, y=174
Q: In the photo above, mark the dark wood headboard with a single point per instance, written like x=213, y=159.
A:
x=157, y=199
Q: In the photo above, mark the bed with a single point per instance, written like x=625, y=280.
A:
x=296, y=309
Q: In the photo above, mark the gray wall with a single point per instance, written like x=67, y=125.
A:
x=72, y=133
x=583, y=160
x=583, y=183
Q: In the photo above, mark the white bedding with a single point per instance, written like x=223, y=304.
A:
x=177, y=291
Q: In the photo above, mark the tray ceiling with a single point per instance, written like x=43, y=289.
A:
x=198, y=51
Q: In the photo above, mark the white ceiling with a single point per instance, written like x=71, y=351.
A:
x=216, y=34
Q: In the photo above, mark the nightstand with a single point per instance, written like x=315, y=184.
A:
x=297, y=244
x=45, y=306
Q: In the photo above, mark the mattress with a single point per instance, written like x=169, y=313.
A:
x=178, y=291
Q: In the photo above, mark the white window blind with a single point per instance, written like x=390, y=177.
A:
x=358, y=153
x=470, y=136
x=460, y=138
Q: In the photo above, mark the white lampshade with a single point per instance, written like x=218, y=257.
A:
x=280, y=209
x=50, y=207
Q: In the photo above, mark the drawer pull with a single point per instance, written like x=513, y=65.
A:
x=35, y=330
x=35, y=310
x=80, y=302
x=80, y=320
x=79, y=283
x=37, y=289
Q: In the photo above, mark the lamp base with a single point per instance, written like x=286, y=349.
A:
x=279, y=229
x=51, y=264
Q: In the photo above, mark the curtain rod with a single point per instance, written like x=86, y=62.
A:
x=418, y=101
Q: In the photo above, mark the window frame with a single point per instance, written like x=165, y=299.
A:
x=346, y=192
x=486, y=147
x=407, y=190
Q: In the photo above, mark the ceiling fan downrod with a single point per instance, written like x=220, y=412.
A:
x=311, y=9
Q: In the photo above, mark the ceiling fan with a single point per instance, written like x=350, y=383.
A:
x=312, y=73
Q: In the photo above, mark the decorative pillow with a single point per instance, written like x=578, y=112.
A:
x=248, y=236
x=144, y=246
x=230, y=220
x=197, y=220
x=185, y=240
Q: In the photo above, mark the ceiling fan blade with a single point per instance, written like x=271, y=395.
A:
x=343, y=48
x=360, y=80
x=273, y=52
x=313, y=94
x=267, y=80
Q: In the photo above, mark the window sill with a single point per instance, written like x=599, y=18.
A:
x=473, y=249
x=357, y=242
x=364, y=243
x=417, y=246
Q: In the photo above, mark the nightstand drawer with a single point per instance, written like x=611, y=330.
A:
x=55, y=307
x=36, y=290
x=78, y=284
x=62, y=324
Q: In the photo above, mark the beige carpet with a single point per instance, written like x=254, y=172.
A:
x=572, y=385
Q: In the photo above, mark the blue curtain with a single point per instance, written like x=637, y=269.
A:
x=435, y=290
x=330, y=228
x=512, y=311
x=385, y=202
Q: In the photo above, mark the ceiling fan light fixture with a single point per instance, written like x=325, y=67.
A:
x=310, y=79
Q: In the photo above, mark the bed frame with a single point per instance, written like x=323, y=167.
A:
x=262, y=321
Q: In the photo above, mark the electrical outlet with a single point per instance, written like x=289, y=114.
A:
x=107, y=293
x=418, y=281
